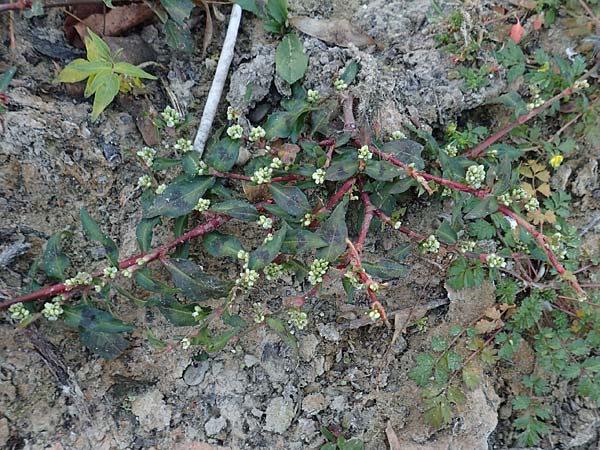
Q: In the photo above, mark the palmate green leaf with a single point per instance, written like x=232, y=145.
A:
x=463, y=274
x=54, y=261
x=181, y=315
x=220, y=245
x=456, y=396
x=93, y=232
x=290, y=198
x=180, y=197
x=343, y=168
x=386, y=269
x=223, y=154
x=439, y=415
x=278, y=326
x=290, y=60
x=105, y=94
x=193, y=282
x=334, y=231
x=238, y=209
x=299, y=241
x=179, y=10
x=406, y=151
x=382, y=170
x=446, y=233
x=106, y=345
x=423, y=369
x=144, y=232
x=94, y=319
x=482, y=230
x=268, y=251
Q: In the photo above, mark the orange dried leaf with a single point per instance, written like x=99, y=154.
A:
x=516, y=32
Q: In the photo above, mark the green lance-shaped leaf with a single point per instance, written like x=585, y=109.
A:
x=278, y=326
x=386, y=269
x=220, y=245
x=106, y=345
x=144, y=232
x=267, y=252
x=278, y=10
x=238, y=209
x=290, y=198
x=406, y=151
x=145, y=280
x=446, y=233
x=382, y=170
x=179, y=10
x=342, y=169
x=334, y=231
x=132, y=71
x=54, y=261
x=182, y=315
x=105, y=94
x=93, y=232
x=290, y=60
x=194, y=283
x=94, y=319
x=350, y=73
x=180, y=197
x=299, y=241
x=223, y=154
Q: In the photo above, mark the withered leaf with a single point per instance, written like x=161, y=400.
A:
x=336, y=31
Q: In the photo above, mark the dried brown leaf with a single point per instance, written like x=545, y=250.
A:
x=392, y=437
x=336, y=31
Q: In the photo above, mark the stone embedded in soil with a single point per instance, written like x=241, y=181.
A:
x=314, y=403
x=194, y=374
x=151, y=410
x=468, y=304
x=329, y=332
x=215, y=425
x=280, y=413
x=307, y=346
x=4, y=432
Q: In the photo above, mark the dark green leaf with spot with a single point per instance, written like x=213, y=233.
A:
x=54, y=261
x=144, y=232
x=341, y=169
x=334, y=231
x=182, y=315
x=180, y=197
x=290, y=198
x=238, y=209
x=106, y=345
x=94, y=319
x=278, y=326
x=446, y=233
x=290, y=60
x=406, y=151
x=194, y=283
x=299, y=241
x=382, y=170
x=268, y=251
x=93, y=232
x=386, y=269
x=223, y=154
x=220, y=245
x=350, y=73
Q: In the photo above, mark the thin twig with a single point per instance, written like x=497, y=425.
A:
x=216, y=88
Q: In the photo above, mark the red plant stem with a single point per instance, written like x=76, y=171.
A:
x=238, y=176
x=208, y=226
x=539, y=237
x=473, y=355
x=366, y=223
x=26, y=4
x=478, y=150
x=334, y=200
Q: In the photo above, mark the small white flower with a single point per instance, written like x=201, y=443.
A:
x=494, y=260
x=141, y=261
x=373, y=287
x=258, y=313
x=451, y=149
x=396, y=135
x=110, y=272
x=18, y=311
x=147, y=155
x=520, y=194
x=319, y=176
x=160, y=189
x=431, y=244
x=256, y=134
x=374, y=315
x=232, y=113
x=364, y=153
x=466, y=246
x=505, y=199
x=354, y=279
x=145, y=181
x=185, y=343
x=313, y=96
x=581, y=84
x=202, y=205
x=171, y=117
x=269, y=238
x=475, y=176
x=243, y=255
x=262, y=175
x=532, y=204
x=127, y=273
x=308, y=219
x=52, y=311
x=183, y=145
x=202, y=168
x=276, y=163
x=340, y=84
x=235, y=131
x=273, y=271
x=81, y=279
x=197, y=312
x=298, y=319
x=265, y=222
x=397, y=225
x=247, y=278
x=318, y=268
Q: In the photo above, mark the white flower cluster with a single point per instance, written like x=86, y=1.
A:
x=556, y=245
x=451, y=149
x=273, y=271
x=99, y=285
x=202, y=205
x=340, y=84
x=581, y=84
x=313, y=96
x=18, y=311
x=183, y=145
x=232, y=113
x=265, y=222
x=396, y=135
x=145, y=181
x=298, y=319
x=247, y=278
x=81, y=279
x=262, y=175
x=110, y=272
x=147, y=155
x=475, y=176
x=397, y=224
x=466, y=246
x=53, y=310
x=258, y=313
x=354, y=279
x=505, y=199
x=244, y=256
x=268, y=238
x=160, y=189
x=276, y=163
x=431, y=244
x=142, y=261
x=374, y=314
x=373, y=286
x=308, y=219
x=202, y=168
x=171, y=117
x=364, y=153
x=319, y=176
x=127, y=273
x=317, y=269
x=494, y=261
x=235, y=131
x=197, y=312
x=185, y=343
x=520, y=194
x=532, y=204
x=256, y=134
